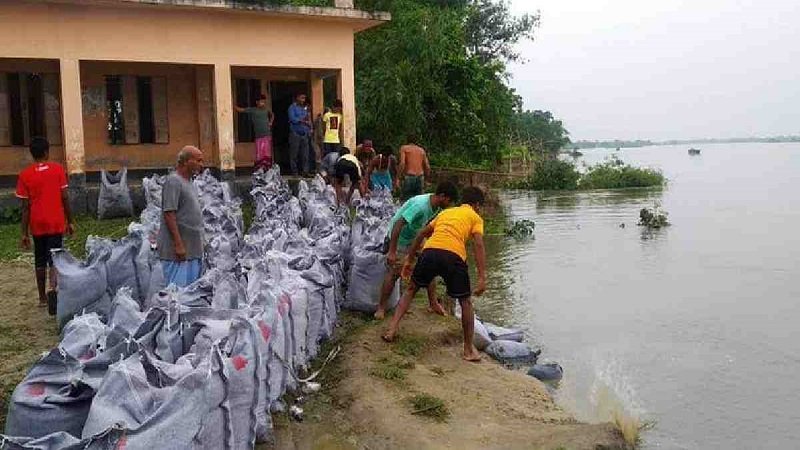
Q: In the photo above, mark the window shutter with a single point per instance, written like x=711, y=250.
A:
x=52, y=107
x=130, y=108
x=24, y=98
x=5, y=111
x=160, y=114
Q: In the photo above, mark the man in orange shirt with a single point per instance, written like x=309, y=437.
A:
x=42, y=187
x=414, y=167
x=445, y=255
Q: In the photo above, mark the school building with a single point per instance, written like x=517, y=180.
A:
x=115, y=83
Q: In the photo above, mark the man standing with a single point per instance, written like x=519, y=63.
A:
x=445, y=255
x=42, y=188
x=332, y=122
x=414, y=167
x=404, y=227
x=299, y=133
x=261, y=118
x=180, y=238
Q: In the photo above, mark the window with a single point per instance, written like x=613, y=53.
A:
x=248, y=91
x=30, y=105
x=137, y=110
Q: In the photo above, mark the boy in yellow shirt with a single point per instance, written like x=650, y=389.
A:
x=445, y=255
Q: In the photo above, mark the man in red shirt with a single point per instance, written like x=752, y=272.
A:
x=42, y=187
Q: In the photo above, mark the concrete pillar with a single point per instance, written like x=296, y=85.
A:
x=205, y=113
x=346, y=90
x=223, y=103
x=72, y=117
x=317, y=97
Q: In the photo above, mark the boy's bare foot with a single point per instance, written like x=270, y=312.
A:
x=472, y=356
x=388, y=336
x=380, y=314
x=436, y=308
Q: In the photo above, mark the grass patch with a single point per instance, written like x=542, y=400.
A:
x=410, y=345
x=429, y=406
x=85, y=225
x=391, y=368
x=550, y=175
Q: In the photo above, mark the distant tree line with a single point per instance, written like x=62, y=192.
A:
x=643, y=143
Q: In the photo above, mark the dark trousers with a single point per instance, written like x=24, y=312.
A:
x=298, y=153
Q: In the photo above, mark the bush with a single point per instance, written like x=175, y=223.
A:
x=614, y=174
x=551, y=174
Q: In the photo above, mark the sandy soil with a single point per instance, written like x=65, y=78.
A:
x=490, y=406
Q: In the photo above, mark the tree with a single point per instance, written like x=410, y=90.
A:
x=540, y=132
x=492, y=31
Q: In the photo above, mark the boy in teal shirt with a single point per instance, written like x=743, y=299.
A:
x=412, y=217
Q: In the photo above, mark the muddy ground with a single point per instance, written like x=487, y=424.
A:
x=369, y=390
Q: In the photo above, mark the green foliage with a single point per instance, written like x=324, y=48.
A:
x=391, y=368
x=520, y=228
x=429, y=406
x=540, y=132
x=437, y=71
x=11, y=214
x=653, y=217
x=614, y=174
x=551, y=174
x=410, y=345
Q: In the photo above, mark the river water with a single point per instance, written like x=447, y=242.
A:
x=693, y=327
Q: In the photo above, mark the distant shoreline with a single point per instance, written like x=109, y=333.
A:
x=640, y=143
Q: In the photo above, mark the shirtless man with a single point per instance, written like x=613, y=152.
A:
x=414, y=167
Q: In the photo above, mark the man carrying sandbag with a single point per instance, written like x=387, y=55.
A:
x=180, y=238
x=445, y=255
x=404, y=227
x=42, y=188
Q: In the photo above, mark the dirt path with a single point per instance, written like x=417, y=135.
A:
x=25, y=329
x=367, y=403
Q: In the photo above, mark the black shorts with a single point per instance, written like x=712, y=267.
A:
x=434, y=263
x=344, y=167
x=42, y=246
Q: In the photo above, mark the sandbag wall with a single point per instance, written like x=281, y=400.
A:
x=144, y=366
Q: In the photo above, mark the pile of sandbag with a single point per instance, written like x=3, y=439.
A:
x=202, y=366
x=114, y=199
x=367, y=256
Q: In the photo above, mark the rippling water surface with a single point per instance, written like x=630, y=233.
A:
x=695, y=326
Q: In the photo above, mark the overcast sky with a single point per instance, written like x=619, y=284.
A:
x=664, y=69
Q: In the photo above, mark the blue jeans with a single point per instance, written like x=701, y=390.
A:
x=298, y=153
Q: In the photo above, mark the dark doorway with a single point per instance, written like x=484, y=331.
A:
x=283, y=93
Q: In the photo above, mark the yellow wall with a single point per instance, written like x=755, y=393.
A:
x=161, y=34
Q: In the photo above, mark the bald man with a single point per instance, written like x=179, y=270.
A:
x=180, y=238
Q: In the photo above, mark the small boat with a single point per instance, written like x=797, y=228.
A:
x=694, y=151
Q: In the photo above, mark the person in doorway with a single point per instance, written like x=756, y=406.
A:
x=334, y=131
x=180, y=238
x=445, y=255
x=42, y=189
x=382, y=170
x=347, y=165
x=403, y=228
x=299, y=132
x=414, y=167
x=262, y=118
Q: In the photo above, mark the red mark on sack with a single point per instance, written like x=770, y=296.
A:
x=88, y=355
x=122, y=443
x=265, y=331
x=36, y=389
x=239, y=362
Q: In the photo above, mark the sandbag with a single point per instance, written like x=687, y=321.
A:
x=366, y=279
x=114, y=199
x=111, y=439
x=546, y=372
x=125, y=313
x=481, y=338
x=504, y=334
x=82, y=286
x=512, y=352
